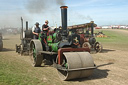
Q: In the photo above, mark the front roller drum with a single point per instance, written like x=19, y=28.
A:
x=79, y=65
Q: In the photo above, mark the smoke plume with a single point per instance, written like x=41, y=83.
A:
x=40, y=6
x=60, y=2
x=83, y=17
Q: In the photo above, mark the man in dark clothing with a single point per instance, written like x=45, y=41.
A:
x=45, y=33
x=36, y=30
x=45, y=27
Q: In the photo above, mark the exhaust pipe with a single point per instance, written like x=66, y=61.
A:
x=26, y=25
x=92, y=28
x=21, y=37
x=64, y=20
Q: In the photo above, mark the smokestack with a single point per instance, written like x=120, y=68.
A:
x=26, y=25
x=92, y=28
x=21, y=28
x=64, y=20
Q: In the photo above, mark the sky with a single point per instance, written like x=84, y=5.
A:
x=102, y=12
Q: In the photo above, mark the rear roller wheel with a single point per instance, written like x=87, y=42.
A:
x=36, y=58
x=86, y=44
x=98, y=47
x=76, y=64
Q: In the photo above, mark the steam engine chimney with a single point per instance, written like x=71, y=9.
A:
x=21, y=28
x=64, y=20
x=26, y=25
x=92, y=28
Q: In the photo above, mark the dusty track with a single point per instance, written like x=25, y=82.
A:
x=112, y=66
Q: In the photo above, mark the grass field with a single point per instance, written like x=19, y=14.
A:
x=116, y=40
x=12, y=72
x=15, y=71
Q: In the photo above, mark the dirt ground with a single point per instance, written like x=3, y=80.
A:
x=112, y=66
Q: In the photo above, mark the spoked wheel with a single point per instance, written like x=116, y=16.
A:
x=86, y=44
x=98, y=47
x=36, y=58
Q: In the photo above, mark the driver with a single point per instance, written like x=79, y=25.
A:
x=45, y=27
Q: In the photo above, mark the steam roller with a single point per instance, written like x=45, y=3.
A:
x=25, y=37
x=62, y=50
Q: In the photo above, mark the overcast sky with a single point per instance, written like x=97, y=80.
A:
x=102, y=12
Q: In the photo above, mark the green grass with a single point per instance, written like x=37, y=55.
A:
x=12, y=73
x=15, y=71
x=116, y=40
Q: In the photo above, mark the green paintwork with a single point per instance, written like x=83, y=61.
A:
x=66, y=65
x=49, y=39
x=54, y=46
x=50, y=43
x=54, y=35
x=40, y=36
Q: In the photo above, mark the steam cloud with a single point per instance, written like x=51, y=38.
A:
x=40, y=6
x=81, y=16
